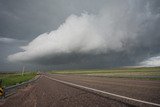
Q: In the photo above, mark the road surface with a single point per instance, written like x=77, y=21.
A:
x=46, y=92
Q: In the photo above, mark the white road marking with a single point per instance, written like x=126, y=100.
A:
x=104, y=92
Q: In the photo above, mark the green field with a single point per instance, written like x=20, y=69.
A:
x=14, y=78
x=141, y=73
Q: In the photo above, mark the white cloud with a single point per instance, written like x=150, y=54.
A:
x=151, y=62
x=88, y=33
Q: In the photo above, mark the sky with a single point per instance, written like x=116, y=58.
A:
x=78, y=34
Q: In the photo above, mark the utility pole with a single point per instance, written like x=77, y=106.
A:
x=23, y=70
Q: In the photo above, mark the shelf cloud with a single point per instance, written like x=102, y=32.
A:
x=116, y=30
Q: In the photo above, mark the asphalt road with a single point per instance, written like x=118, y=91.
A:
x=46, y=92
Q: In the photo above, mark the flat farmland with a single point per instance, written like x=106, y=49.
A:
x=152, y=73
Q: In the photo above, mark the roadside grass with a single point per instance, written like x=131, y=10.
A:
x=152, y=73
x=15, y=78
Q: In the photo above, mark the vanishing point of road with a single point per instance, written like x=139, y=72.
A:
x=52, y=90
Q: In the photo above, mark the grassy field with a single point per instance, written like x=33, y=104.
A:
x=14, y=78
x=141, y=73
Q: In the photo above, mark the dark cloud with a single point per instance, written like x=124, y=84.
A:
x=25, y=20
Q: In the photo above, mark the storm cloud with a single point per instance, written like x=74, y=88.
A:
x=113, y=29
x=80, y=34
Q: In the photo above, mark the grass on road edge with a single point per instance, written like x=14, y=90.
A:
x=12, y=79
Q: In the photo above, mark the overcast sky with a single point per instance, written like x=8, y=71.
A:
x=73, y=34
